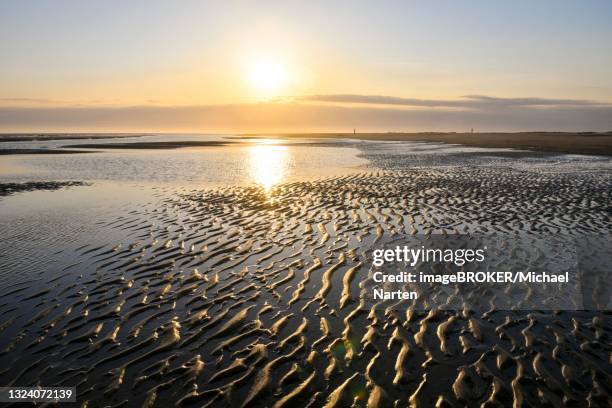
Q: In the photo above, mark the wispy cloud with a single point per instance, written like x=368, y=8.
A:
x=29, y=101
x=528, y=102
x=465, y=102
x=42, y=102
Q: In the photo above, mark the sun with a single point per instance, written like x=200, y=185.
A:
x=267, y=77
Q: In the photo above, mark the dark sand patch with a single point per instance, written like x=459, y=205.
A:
x=590, y=143
x=12, y=188
x=5, y=152
x=313, y=143
x=150, y=145
x=31, y=137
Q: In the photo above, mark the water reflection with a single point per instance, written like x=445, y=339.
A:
x=268, y=163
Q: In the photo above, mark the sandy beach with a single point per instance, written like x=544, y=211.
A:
x=251, y=295
x=595, y=143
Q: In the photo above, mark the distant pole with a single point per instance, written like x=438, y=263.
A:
x=353, y=131
x=472, y=130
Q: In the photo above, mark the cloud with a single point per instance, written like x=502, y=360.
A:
x=483, y=113
x=29, y=101
x=38, y=102
x=465, y=102
x=380, y=100
x=533, y=101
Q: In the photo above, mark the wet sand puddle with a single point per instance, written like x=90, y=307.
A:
x=243, y=296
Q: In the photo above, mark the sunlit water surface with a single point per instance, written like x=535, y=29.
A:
x=36, y=225
x=265, y=162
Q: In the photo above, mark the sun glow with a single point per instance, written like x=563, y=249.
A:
x=267, y=77
x=268, y=163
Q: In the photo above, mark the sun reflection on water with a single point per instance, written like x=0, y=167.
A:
x=268, y=163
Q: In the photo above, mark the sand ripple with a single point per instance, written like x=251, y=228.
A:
x=242, y=297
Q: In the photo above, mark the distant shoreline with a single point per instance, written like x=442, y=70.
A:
x=589, y=143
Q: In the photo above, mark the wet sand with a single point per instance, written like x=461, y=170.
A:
x=29, y=137
x=191, y=143
x=71, y=149
x=12, y=188
x=241, y=296
x=150, y=145
x=591, y=143
x=7, y=152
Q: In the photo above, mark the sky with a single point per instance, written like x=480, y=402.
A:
x=274, y=66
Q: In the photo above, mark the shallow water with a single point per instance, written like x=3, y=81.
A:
x=264, y=162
